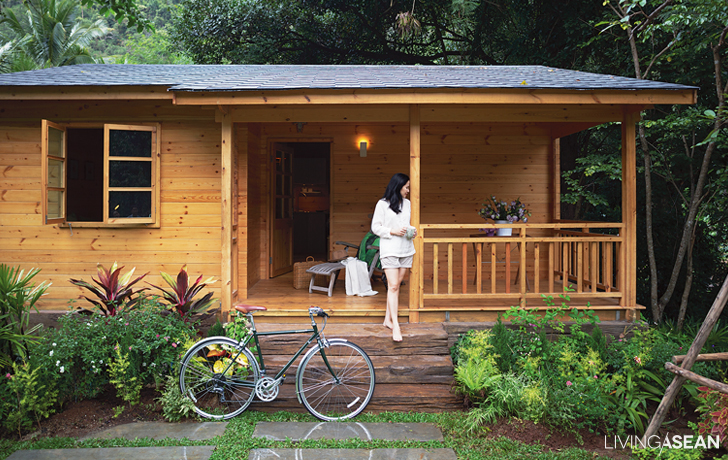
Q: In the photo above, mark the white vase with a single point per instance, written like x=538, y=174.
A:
x=503, y=231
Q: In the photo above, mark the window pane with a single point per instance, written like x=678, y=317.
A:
x=130, y=143
x=55, y=142
x=55, y=173
x=287, y=163
x=130, y=204
x=55, y=204
x=130, y=174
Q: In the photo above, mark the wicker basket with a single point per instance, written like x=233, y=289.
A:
x=301, y=279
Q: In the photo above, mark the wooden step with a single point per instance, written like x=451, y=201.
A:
x=387, y=397
x=432, y=369
x=375, y=339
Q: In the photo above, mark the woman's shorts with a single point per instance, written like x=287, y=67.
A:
x=397, y=262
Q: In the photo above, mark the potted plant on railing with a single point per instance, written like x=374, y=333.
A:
x=503, y=212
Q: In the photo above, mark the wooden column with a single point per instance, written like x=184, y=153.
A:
x=417, y=278
x=629, y=209
x=556, y=180
x=226, y=200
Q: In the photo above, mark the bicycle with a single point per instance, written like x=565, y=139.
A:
x=221, y=375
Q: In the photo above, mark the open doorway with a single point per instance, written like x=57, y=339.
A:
x=301, y=188
x=311, y=192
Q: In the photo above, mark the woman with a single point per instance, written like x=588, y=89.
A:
x=391, y=222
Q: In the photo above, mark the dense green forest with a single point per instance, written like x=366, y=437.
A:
x=682, y=151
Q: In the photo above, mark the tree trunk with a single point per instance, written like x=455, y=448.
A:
x=688, y=284
x=654, y=305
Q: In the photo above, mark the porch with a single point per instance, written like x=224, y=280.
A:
x=469, y=277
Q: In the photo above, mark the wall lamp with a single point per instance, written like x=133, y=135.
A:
x=362, y=149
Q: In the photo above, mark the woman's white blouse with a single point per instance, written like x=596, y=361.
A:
x=384, y=221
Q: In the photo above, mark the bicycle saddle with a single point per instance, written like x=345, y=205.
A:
x=249, y=308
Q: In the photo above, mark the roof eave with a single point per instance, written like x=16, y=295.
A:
x=438, y=96
x=85, y=92
x=356, y=96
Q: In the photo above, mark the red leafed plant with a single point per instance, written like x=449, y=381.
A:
x=713, y=414
x=115, y=291
x=181, y=296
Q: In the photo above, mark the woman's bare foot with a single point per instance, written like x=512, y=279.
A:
x=388, y=324
x=396, y=334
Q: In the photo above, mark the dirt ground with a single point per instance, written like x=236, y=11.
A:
x=78, y=419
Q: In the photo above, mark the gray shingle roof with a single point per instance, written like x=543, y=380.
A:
x=289, y=77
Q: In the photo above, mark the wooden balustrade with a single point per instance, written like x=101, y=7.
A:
x=538, y=259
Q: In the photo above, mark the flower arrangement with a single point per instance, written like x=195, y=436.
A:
x=501, y=210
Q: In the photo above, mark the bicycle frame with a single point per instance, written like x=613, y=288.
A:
x=315, y=335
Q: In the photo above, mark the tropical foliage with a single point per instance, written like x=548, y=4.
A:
x=114, y=292
x=18, y=295
x=181, y=296
x=47, y=33
x=582, y=380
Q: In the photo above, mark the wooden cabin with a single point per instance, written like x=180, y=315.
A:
x=240, y=171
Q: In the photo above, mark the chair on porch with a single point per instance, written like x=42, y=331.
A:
x=367, y=250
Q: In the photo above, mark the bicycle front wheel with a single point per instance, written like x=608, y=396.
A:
x=342, y=394
x=219, y=376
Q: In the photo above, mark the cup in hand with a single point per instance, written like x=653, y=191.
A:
x=410, y=233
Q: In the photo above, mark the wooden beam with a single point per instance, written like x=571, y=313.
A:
x=316, y=114
x=677, y=359
x=583, y=115
x=436, y=96
x=697, y=378
x=417, y=279
x=629, y=208
x=227, y=197
x=65, y=93
x=566, y=119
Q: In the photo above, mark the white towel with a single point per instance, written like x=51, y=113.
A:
x=357, y=278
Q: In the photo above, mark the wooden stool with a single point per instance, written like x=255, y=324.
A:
x=330, y=269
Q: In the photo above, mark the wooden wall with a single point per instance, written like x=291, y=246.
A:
x=462, y=164
x=190, y=199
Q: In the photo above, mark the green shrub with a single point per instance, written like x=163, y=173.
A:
x=503, y=347
x=577, y=381
x=216, y=330
x=78, y=354
x=127, y=383
x=175, y=407
x=25, y=398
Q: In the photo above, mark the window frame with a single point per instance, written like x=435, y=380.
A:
x=153, y=221
x=46, y=126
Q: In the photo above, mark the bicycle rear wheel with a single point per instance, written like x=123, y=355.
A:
x=219, y=376
x=342, y=395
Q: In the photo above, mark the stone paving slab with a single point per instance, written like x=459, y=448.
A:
x=298, y=431
x=162, y=430
x=352, y=454
x=117, y=453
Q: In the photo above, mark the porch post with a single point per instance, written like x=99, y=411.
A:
x=629, y=212
x=416, y=280
x=226, y=199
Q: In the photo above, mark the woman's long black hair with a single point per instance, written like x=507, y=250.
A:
x=393, y=194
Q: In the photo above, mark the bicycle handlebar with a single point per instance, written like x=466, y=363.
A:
x=318, y=311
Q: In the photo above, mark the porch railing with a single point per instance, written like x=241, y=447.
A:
x=462, y=264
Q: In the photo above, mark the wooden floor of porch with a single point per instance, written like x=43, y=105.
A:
x=284, y=303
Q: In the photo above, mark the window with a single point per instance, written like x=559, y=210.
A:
x=96, y=175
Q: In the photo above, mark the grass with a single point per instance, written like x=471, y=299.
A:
x=237, y=441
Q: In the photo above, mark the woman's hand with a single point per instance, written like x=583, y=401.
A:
x=398, y=232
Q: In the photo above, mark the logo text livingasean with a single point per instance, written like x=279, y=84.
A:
x=677, y=441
